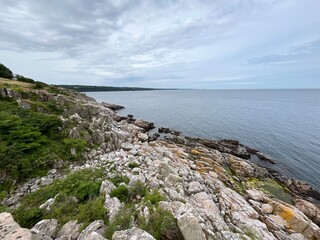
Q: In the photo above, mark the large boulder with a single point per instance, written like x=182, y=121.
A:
x=113, y=205
x=69, y=231
x=10, y=230
x=106, y=187
x=132, y=234
x=47, y=227
x=97, y=226
x=190, y=227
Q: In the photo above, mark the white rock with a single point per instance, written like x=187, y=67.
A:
x=190, y=227
x=132, y=234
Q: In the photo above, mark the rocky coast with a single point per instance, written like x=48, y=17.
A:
x=189, y=188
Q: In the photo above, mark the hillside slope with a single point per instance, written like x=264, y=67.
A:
x=86, y=173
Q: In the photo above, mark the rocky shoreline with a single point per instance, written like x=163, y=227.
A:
x=211, y=188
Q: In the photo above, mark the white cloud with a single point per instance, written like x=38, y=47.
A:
x=158, y=43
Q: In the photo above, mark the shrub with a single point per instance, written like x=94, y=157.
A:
x=133, y=165
x=117, y=180
x=87, y=190
x=122, y=221
x=21, y=78
x=154, y=198
x=161, y=222
x=29, y=217
x=138, y=189
x=121, y=192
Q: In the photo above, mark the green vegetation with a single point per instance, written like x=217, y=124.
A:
x=83, y=88
x=133, y=165
x=31, y=142
x=121, y=192
x=119, y=179
x=5, y=72
x=76, y=197
x=154, y=197
x=272, y=188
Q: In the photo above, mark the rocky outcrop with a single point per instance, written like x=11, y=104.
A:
x=112, y=106
x=132, y=234
x=9, y=229
x=210, y=187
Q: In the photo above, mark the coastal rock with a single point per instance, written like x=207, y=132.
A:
x=97, y=227
x=309, y=209
x=132, y=234
x=112, y=106
x=10, y=230
x=144, y=124
x=69, y=231
x=143, y=137
x=113, y=206
x=190, y=227
x=106, y=187
x=48, y=227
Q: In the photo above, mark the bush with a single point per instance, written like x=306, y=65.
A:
x=21, y=78
x=117, y=180
x=133, y=165
x=39, y=85
x=5, y=72
x=154, y=198
x=122, y=221
x=87, y=191
x=29, y=217
x=161, y=222
x=121, y=192
x=138, y=189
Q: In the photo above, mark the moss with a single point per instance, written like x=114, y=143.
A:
x=273, y=188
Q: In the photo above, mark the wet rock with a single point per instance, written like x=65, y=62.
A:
x=144, y=124
x=9, y=229
x=132, y=234
x=112, y=106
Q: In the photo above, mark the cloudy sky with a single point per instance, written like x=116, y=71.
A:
x=164, y=43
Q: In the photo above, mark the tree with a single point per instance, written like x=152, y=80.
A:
x=5, y=72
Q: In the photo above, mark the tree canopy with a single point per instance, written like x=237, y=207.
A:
x=5, y=72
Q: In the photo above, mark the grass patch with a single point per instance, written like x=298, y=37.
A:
x=117, y=180
x=84, y=185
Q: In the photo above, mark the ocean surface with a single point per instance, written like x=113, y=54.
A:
x=284, y=124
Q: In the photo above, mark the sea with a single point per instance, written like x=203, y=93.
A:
x=283, y=124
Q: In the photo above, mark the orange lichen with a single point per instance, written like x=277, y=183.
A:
x=286, y=213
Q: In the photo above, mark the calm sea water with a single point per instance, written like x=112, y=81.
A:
x=284, y=124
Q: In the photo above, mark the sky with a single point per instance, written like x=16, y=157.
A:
x=202, y=44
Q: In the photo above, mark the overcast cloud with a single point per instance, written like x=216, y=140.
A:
x=185, y=44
